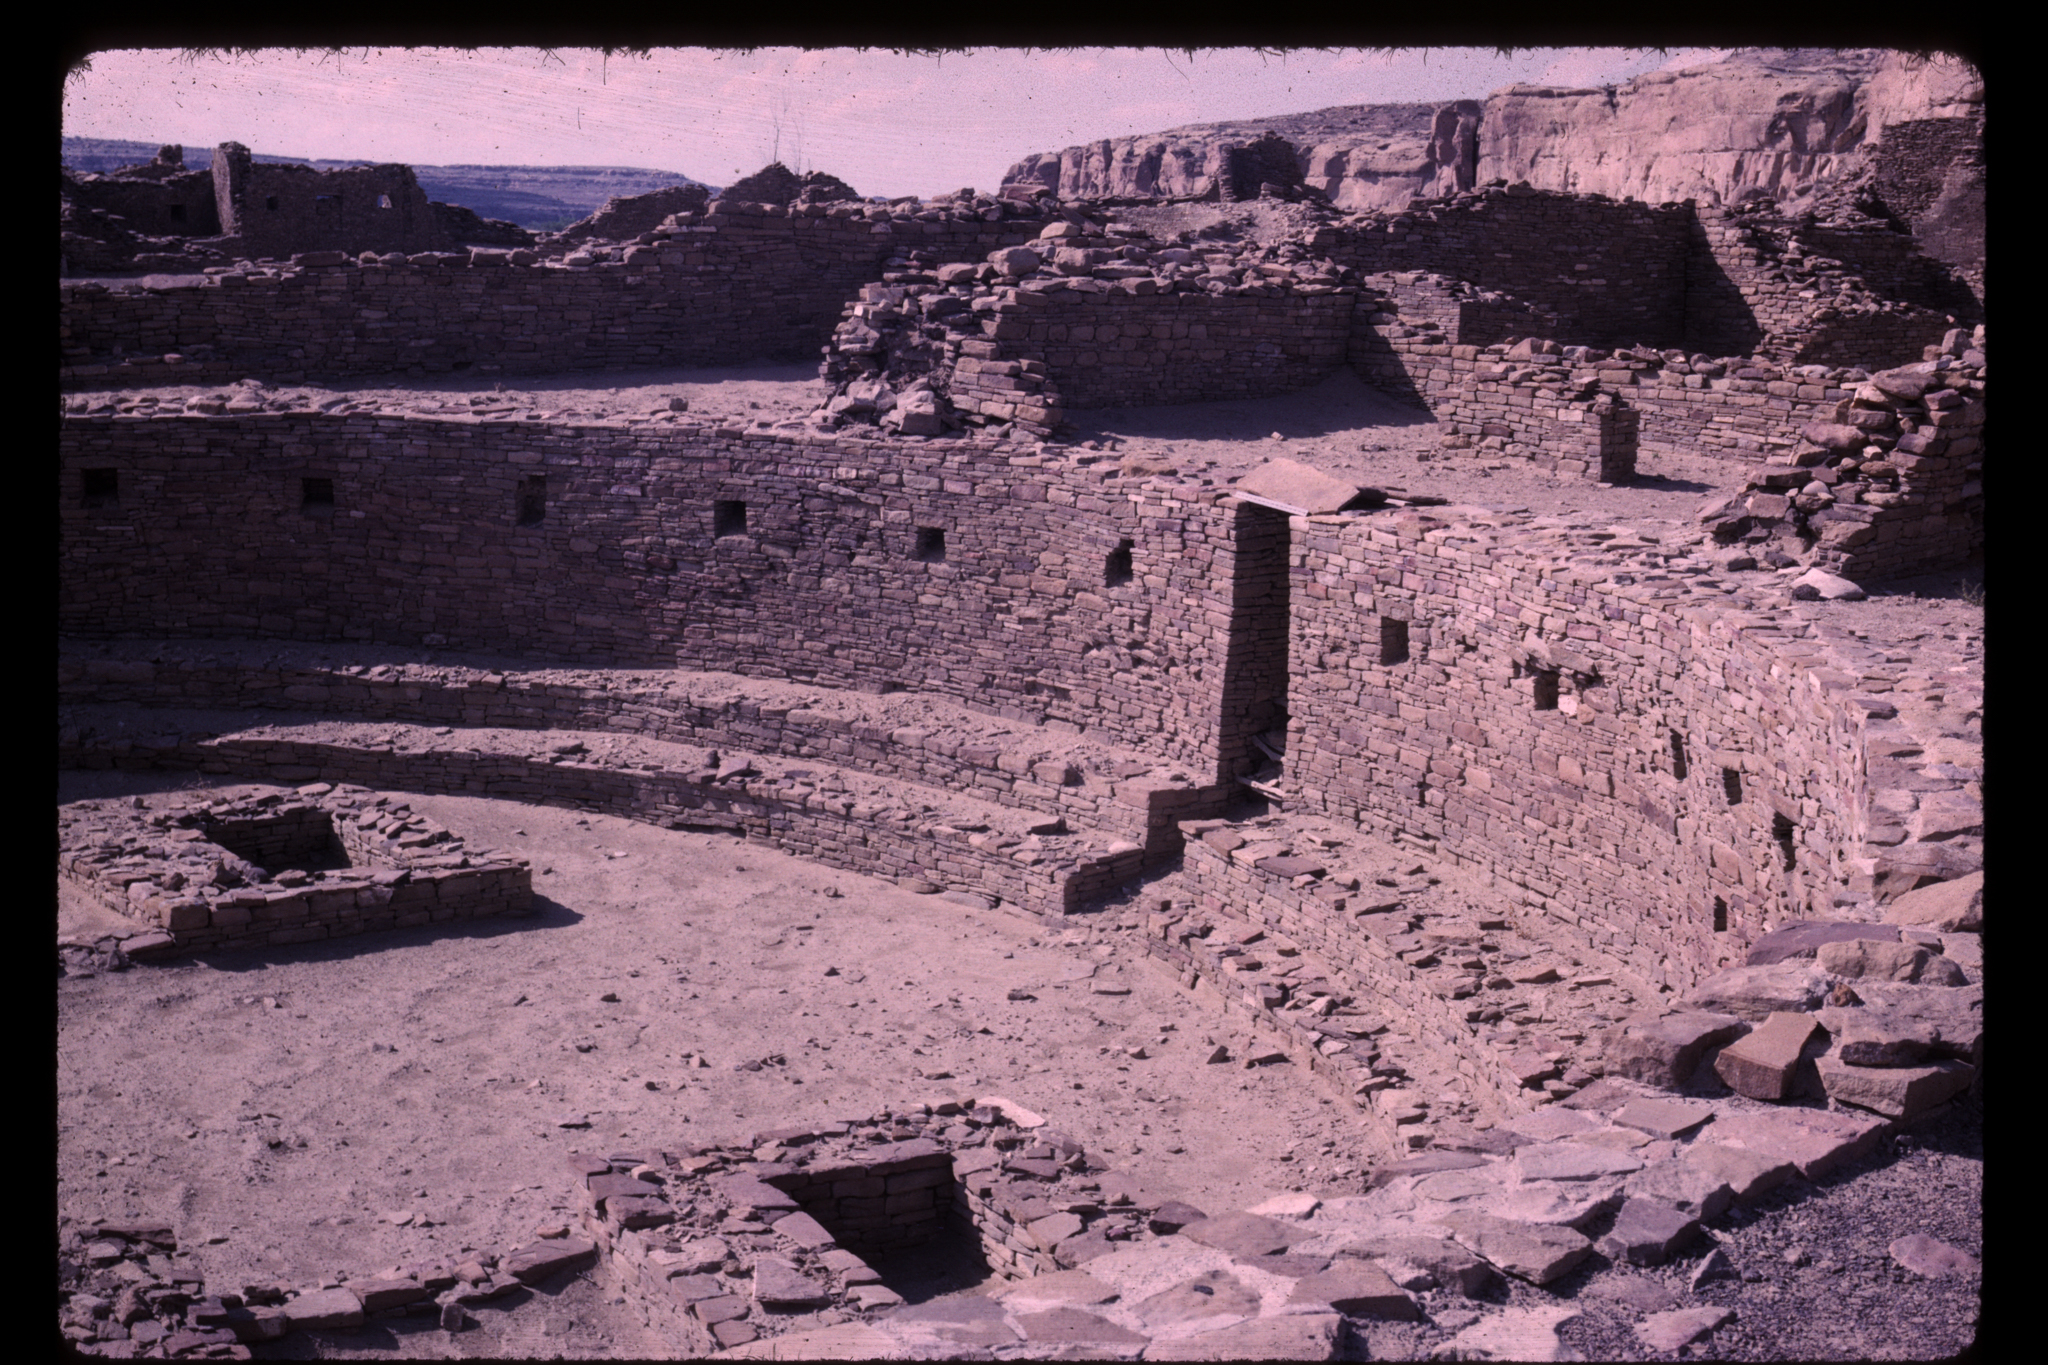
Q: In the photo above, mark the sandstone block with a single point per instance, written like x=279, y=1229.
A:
x=1528, y=1251
x=1753, y=993
x=1765, y=1064
x=1359, y=1289
x=325, y=1310
x=1863, y=957
x=1664, y=1050
x=1948, y=906
x=1647, y=1231
x=1811, y=1141
x=1897, y=1091
x=1803, y=938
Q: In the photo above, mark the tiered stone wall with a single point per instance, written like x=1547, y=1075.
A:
x=910, y=736
x=1539, y=724
x=839, y=818
x=974, y=572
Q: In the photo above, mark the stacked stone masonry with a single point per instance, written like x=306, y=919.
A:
x=322, y=863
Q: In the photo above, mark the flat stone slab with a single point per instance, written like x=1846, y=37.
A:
x=1297, y=487
x=780, y=1285
x=1286, y=1206
x=1424, y=1164
x=1803, y=938
x=1896, y=1091
x=1213, y=1293
x=1684, y=1186
x=1869, y=958
x=1793, y=984
x=1663, y=1118
x=531, y=1265
x=324, y=1310
x=1908, y=1027
x=1749, y=1175
x=1293, y=1336
x=749, y=1193
x=804, y=1230
x=1924, y=1255
x=1550, y=1124
x=847, y=1341
x=1572, y=1161
x=1063, y=1326
x=1681, y=1327
x=1560, y=1203
x=1664, y=1050
x=970, y=1321
x=1245, y=1235
x=1812, y=1141
x=1647, y=1231
x=1060, y=1288
x=1517, y=1334
x=1359, y=1289
x=1420, y=1262
x=1528, y=1251
x=1949, y=906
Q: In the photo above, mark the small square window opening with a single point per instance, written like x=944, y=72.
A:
x=1546, y=690
x=316, y=497
x=1116, y=569
x=1393, y=641
x=533, y=499
x=728, y=518
x=101, y=488
x=931, y=545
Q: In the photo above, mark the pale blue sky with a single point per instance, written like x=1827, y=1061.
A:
x=889, y=124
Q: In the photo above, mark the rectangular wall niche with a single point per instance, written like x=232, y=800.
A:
x=1720, y=915
x=1678, y=766
x=1731, y=786
x=1783, y=833
x=1116, y=569
x=1546, y=690
x=316, y=497
x=1393, y=641
x=533, y=499
x=728, y=518
x=100, y=488
x=931, y=545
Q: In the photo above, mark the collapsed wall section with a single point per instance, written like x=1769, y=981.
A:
x=1567, y=729
x=1014, y=581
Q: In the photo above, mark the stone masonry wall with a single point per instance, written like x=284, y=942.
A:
x=974, y=572
x=911, y=737
x=277, y=210
x=1539, y=724
x=1614, y=273
x=733, y=287
x=190, y=870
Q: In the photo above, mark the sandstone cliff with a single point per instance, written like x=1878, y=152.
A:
x=1762, y=121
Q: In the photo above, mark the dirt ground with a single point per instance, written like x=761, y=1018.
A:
x=282, y=1109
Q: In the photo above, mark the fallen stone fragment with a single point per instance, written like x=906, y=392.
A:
x=1287, y=1206
x=1528, y=1251
x=1421, y=1262
x=1769, y=1062
x=1908, y=1026
x=1882, y=961
x=1517, y=1334
x=1061, y=1288
x=325, y=1310
x=1359, y=1289
x=1294, y=1336
x=1949, y=906
x=1812, y=1141
x=804, y=1230
x=1803, y=938
x=781, y=1287
x=1647, y=1231
x=1681, y=1327
x=1819, y=583
x=1895, y=1091
x=1572, y=1161
x=846, y=1341
x=1245, y=1235
x=1924, y=1255
x=1754, y=993
x=378, y=1295
x=972, y=1321
x=1072, y=1327
x=1664, y=1050
x=1663, y=1118
x=455, y=1318
x=1714, y=1266
x=1749, y=1175
x=1427, y=1163
x=531, y=1265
